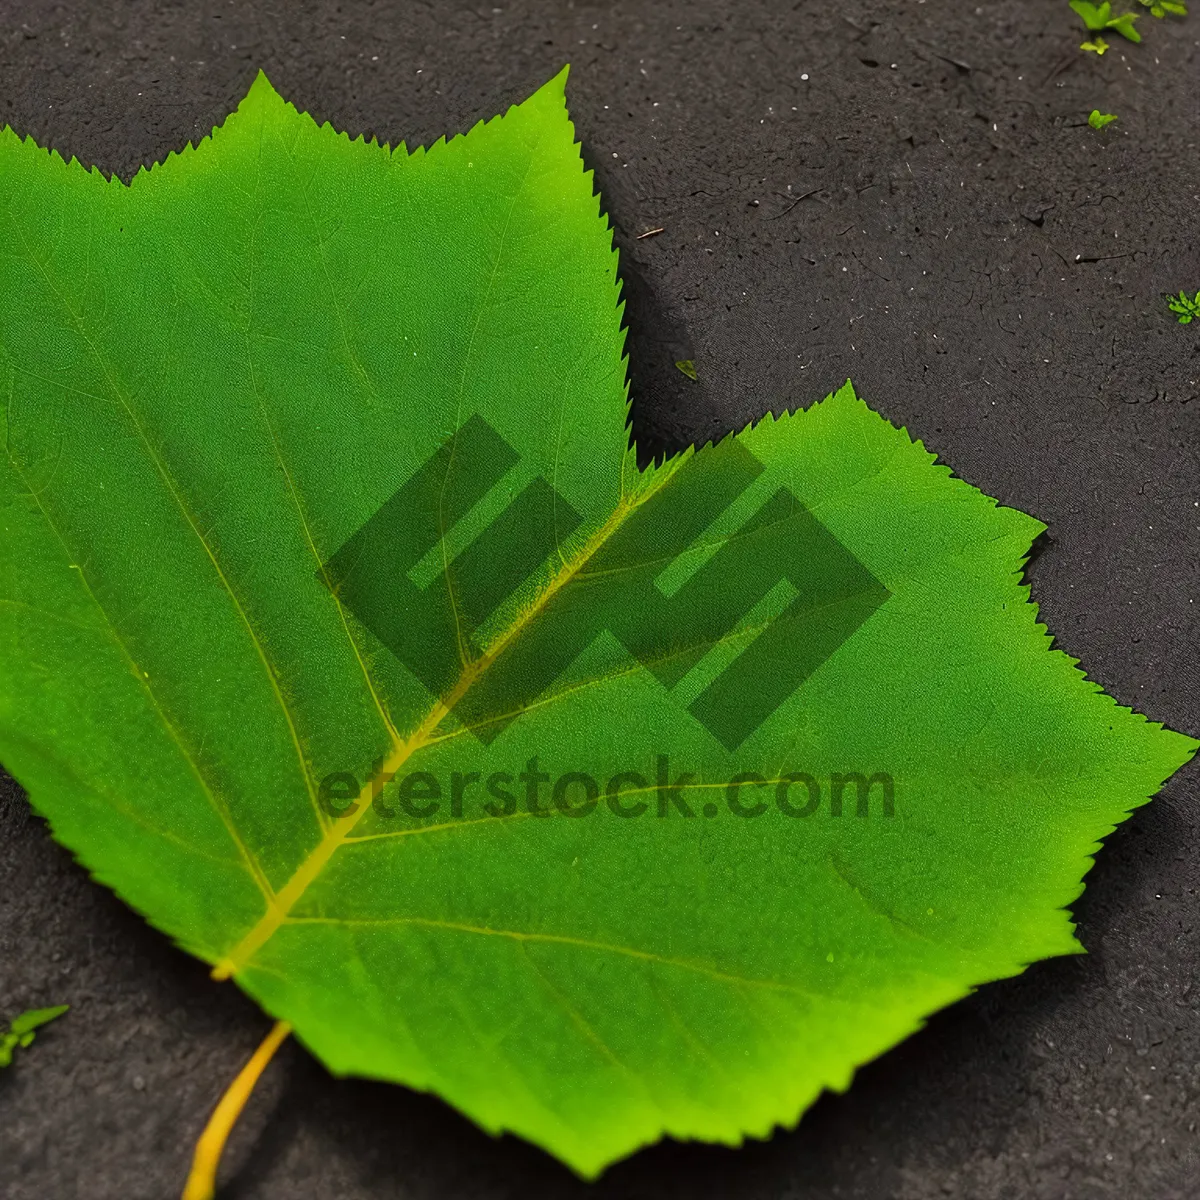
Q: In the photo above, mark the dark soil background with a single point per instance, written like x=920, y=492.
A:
x=990, y=272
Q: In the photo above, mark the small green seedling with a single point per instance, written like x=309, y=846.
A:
x=1099, y=17
x=687, y=367
x=1096, y=47
x=1187, y=309
x=1160, y=8
x=1098, y=120
x=21, y=1031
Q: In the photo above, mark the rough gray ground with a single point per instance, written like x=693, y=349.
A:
x=990, y=272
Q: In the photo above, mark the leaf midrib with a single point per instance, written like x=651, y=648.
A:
x=286, y=898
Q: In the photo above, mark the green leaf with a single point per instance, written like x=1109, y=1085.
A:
x=1099, y=46
x=713, y=780
x=687, y=367
x=1184, y=307
x=1098, y=120
x=21, y=1032
x=1095, y=17
x=1124, y=26
x=32, y=1019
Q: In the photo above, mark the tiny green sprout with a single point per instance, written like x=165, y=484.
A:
x=1124, y=26
x=1160, y=8
x=1098, y=120
x=1096, y=47
x=1187, y=309
x=1099, y=17
x=21, y=1032
x=687, y=367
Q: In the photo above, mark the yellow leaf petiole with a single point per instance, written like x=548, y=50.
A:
x=202, y=1179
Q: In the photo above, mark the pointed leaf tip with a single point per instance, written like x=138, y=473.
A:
x=555, y=88
x=261, y=93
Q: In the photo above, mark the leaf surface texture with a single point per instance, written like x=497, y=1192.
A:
x=220, y=587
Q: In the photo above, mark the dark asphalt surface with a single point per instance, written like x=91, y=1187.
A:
x=990, y=272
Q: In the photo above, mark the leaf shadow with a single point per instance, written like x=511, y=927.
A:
x=1040, y=545
x=665, y=404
